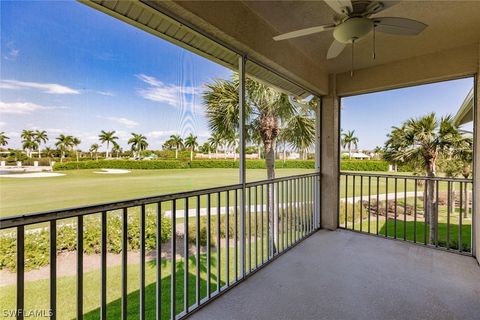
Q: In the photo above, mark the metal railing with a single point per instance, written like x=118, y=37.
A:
x=433, y=211
x=227, y=233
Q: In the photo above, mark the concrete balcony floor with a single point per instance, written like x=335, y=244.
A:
x=346, y=275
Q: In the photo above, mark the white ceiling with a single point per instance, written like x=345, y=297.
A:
x=450, y=24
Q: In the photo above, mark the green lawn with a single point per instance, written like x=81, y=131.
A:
x=448, y=225
x=83, y=187
x=361, y=185
x=37, y=292
x=418, y=234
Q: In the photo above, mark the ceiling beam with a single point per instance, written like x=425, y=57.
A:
x=236, y=24
x=443, y=65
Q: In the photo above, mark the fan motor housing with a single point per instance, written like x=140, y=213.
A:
x=353, y=29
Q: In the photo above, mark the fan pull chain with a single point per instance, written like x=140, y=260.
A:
x=353, y=51
x=374, y=41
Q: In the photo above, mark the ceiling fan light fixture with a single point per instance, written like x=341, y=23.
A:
x=353, y=29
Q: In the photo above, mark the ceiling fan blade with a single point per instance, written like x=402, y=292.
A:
x=335, y=49
x=340, y=6
x=377, y=6
x=303, y=32
x=400, y=26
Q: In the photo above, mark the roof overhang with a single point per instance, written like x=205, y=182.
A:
x=465, y=113
x=224, y=30
x=154, y=17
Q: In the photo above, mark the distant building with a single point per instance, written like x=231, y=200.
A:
x=293, y=156
x=356, y=156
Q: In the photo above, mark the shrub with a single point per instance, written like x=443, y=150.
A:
x=121, y=164
x=214, y=164
x=223, y=222
x=41, y=162
x=291, y=164
x=405, y=167
x=364, y=165
x=37, y=242
x=192, y=235
x=177, y=164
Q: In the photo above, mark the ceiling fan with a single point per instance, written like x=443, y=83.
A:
x=353, y=22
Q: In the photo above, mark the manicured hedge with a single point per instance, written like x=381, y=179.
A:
x=291, y=164
x=37, y=242
x=252, y=164
x=364, y=165
x=177, y=164
x=348, y=165
x=121, y=164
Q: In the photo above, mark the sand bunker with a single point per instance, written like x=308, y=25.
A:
x=33, y=175
x=113, y=171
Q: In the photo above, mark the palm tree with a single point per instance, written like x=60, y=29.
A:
x=464, y=154
x=233, y=141
x=138, y=142
x=299, y=131
x=28, y=142
x=75, y=142
x=257, y=140
x=40, y=137
x=176, y=141
x=423, y=140
x=94, y=150
x=116, y=149
x=215, y=141
x=63, y=144
x=265, y=110
x=29, y=146
x=107, y=137
x=3, y=139
x=348, y=139
x=191, y=142
x=48, y=153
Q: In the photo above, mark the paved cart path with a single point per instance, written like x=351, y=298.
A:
x=383, y=197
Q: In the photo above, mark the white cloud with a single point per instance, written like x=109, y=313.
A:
x=166, y=93
x=12, y=54
x=123, y=121
x=51, y=88
x=161, y=134
x=13, y=134
x=105, y=93
x=55, y=130
x=20, y=108
x=100, y=92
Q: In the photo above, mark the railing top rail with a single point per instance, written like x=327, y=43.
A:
x=262, y=182
x=400, y=176
x=40, y=217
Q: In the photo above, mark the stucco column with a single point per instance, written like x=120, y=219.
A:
x=476, y=163
x=330, y=114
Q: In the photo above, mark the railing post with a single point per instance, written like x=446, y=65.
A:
x=241, y=102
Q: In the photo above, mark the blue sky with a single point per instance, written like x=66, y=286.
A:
x=372, y=115
x=67, y=68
